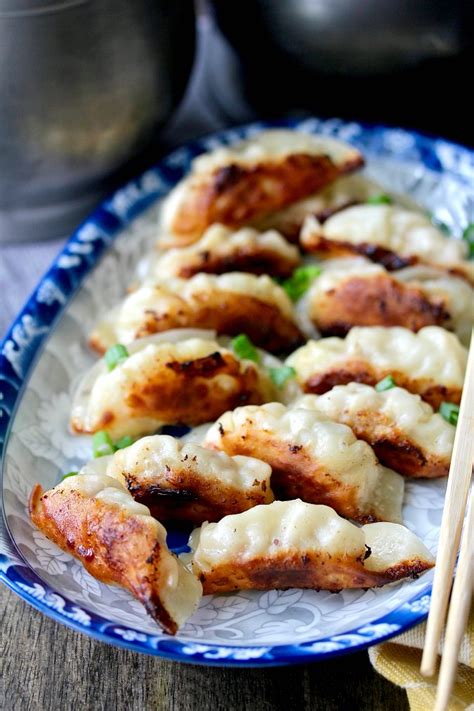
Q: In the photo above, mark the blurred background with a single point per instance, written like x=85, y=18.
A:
x=94, y=91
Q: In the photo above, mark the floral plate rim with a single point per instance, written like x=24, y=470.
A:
x=25, y=340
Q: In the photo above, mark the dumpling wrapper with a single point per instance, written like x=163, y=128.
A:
x=291, y=544
x=183, y=481
x=392, y=235
x=230, y=304
x=222, y=250
x=96, y=520
x=355, y=292
x=312, y=458
x=430, y=363
x=456, y=294
x=342, y=193
x=403, y=431
x=236, y=184
x=187, y=382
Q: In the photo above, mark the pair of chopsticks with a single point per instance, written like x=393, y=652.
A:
x=458, y=497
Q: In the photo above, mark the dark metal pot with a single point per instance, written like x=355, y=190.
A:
x=84, y=87
x=395, y=61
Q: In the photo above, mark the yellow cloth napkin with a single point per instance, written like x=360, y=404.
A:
x=399, y=662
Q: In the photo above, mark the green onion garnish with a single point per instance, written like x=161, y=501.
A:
x=386, y=383
x=380, y=199
x=450, y=412
x=279, y=376
x=244, y=348
x=102, y=444
x=65, y=476
x=115, y=355
x=468, y=235
x=124, y=442
x=300, y=281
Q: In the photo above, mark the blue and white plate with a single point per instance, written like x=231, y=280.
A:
x=45, y=353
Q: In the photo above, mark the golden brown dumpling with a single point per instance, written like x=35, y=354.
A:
x=291, y=544
x=92, y=517
x=312, y=458
x=430, y=363
x=230, y=304
x=183, y=481
x=403, y=431
x=237, y=184
x=355, y=292
x=188, y=382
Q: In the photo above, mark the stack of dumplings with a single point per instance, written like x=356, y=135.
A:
x=310, y=334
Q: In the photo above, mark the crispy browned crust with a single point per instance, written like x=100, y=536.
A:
x=394, y=449
x=460, y=273
x=251, y=259
x=190, y=392
x=181, y=494
x=326, y=248
x=113, y=547
x=363, y=372
x=235, y=194
x=295, y=474
x=376, y=301
x=314, y=570
x=408, y=459
x=96, y=343
x=330, y=248
x=227, y=313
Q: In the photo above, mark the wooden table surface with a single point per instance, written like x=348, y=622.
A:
x=48, y=667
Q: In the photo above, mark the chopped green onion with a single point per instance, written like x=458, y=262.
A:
x=279, y=376
x=65, y=476
x=244, y=348
x=380, y=199
x=468, y=235
x=115, y=355
x=102, y=444
x=124, y=442
x=450, y=412
x=386, y=383
x=300, y=281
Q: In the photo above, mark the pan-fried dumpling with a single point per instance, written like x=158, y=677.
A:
x=430, y=363
x=291, y=544
x=237, y=184
x=355, y=292
x=344, y=192
x=184, y=481
x=456, y=294
x=231, y=304
x=391, y=235
x=312, y=458
x=188, y=382
x=403, y=431
x=96, y=520
x=222, y=250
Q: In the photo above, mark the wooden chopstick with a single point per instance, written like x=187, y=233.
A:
x=458, y=611
x=459, y=479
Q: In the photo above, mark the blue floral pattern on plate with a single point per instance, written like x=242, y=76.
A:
x=247, y=629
